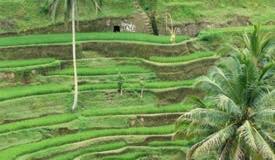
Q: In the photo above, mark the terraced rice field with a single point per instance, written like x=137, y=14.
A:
x=106, y=125
x=184, y=58
x=28, y=65
x=84, y=37
x=138, y=64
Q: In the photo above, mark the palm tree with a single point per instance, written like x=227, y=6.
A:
x=237, y=116
x=70, y=9
x=260, y=44
x=54, y=8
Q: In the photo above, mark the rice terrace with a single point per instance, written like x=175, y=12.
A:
x=137, y=80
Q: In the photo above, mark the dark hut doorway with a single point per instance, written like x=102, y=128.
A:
x=116, y=29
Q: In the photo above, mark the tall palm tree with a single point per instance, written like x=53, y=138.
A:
x=71, y=8
x=55, y=8
x=238, y=116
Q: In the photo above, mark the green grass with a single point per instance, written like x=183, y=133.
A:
x=110, y=70
x=29, y=14
x=233, y=30
x=183, y=58
x=36, y=122
x=31, y=90
x=64, y=118
x=128, y=155
x=133, y=153
x=24, y=63
x=169, y=143
x=20, y=150
x=28, y=64
x=217, y=11
x=60, y=38
x=91, y=149
x=29, y=68
x=136, y=85
x=147, y=109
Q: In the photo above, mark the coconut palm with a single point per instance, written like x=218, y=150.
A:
x=260, y=44
x=71, y=8
x=237, y=116
x=55, y=8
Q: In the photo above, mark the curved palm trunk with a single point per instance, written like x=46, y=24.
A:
x=74, y=58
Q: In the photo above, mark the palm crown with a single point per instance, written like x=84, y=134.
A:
x=54, y=7
x=240, y=122
x=260, y=44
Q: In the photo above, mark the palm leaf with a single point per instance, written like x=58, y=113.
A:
x=216, y=140
x=263, y=147
x=246, y=133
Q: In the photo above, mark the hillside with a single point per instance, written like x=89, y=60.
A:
x=21, y=15
x=140, y=96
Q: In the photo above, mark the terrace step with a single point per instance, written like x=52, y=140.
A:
x=127, y=149
x=13, y=152
x=70, y=148
x=23, y=70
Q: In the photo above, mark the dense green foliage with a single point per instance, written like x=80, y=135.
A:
x=237, y=123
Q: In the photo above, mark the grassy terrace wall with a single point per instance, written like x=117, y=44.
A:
x=122, y=49
x=170, y=96
x=25, y=69
x=38, y=51
x=110, y=44
x=186, y=70
x=109, y=49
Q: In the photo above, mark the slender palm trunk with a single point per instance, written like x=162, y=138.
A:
x=74, y=58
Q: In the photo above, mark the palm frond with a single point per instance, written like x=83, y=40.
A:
x=246, y=133
x=216, y=140
x=263, y=147
x=209, y=85
x=267, y=71
x=264, y=101
x=228, y=105
x=237, y=152
x=226, y=150
x=266, y=115
x=196, y=101
x=211, y=117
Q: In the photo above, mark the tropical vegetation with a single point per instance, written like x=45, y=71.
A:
x=238, y=122
x=199, y=88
